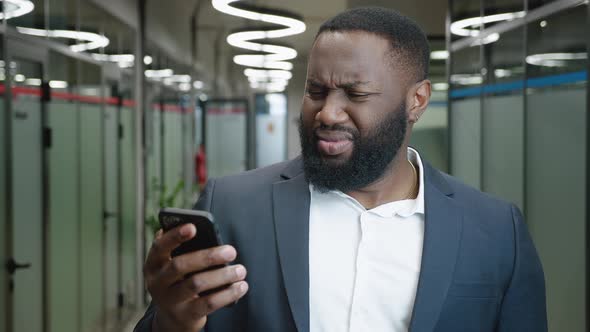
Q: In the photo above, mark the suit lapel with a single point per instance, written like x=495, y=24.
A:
x=442, y=233
x=291, y=201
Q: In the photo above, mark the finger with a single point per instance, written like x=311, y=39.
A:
x=177, y=268
x=191, y=287
x=164, y=244
x=207, y=304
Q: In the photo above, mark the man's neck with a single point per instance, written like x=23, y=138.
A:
x=397, y=183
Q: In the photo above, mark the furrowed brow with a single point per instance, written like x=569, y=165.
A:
x=315, y=83
x=347, y=86
x=352, y=85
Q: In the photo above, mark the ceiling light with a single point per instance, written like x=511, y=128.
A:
x=147, y=60
x=273, y=58
x=554, y=59
x=122, y=60
x=257, y=73
x=500, y=73
x=440, y=86
x=159, y=73
x=184, y=86
x=439, y=55
x=90, y=40
x=33, y=81
x=113, y=57
x=16, y=8
x=491, y=38
x=19, y=78
x=178, y=79
x=58, y=84
x=261, y=61
x=294, y=26
x=198, y=85
x=466, y=26
x=466, y=79
x=125, y=64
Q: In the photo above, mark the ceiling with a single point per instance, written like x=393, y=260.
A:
x=315, y=12
x=168, y=25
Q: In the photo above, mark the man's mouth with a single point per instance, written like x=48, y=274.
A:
x=333, y=143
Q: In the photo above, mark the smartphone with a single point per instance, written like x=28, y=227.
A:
x=207, y=232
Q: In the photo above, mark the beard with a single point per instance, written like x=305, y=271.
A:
x=371, y=154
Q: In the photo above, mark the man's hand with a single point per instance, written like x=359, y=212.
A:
x=179, y=306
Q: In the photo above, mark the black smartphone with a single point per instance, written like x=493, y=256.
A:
x=207, y=232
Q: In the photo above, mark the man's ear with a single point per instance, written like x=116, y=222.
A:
x=419, y=98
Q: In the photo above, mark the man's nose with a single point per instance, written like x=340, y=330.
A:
x=333, y=111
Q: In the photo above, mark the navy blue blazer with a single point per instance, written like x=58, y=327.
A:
x=480, y=271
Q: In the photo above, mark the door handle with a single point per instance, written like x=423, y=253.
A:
x=109, y=214
x=12, y=266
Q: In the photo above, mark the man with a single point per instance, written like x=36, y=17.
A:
x=359, y=233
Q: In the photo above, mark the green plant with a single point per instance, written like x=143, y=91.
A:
x=165, y=200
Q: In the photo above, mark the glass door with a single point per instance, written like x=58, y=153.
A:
x=25, y=264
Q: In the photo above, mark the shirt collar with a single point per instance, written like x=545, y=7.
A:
x=403, y=208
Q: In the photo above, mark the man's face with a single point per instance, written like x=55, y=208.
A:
x=353, y=118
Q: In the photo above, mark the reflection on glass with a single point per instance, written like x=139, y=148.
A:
x=24, y=13
x=25, y=73
x=557, y=44
x=503, y=58
x=466, y=68
x=465, y=16
x=62, y=17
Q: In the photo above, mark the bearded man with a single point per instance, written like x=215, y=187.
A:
x=359, y=233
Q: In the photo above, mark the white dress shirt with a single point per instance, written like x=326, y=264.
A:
x=364, y=264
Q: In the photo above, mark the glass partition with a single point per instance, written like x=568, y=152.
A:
x=91, y=195
x=503, y=107
x=519, y=128
x=556, y=186
x=64, y=185
x=4, y=141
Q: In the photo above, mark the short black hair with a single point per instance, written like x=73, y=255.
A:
x=408, y=42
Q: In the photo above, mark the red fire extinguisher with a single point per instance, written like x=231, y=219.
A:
x=201, y=166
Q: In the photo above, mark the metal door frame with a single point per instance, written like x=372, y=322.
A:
x=111, y=73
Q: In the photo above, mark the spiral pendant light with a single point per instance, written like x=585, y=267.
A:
x=267, y=63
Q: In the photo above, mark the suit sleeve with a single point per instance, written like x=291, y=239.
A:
x=203, y=203
x=524, y=307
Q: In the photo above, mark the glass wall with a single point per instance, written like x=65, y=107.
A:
x=519, y=129
x=64, y=199
x=556, y=190
x=4, y=118
x=74, y=159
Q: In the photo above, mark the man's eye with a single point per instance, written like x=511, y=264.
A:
x=357, y=95
x=315, y=93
